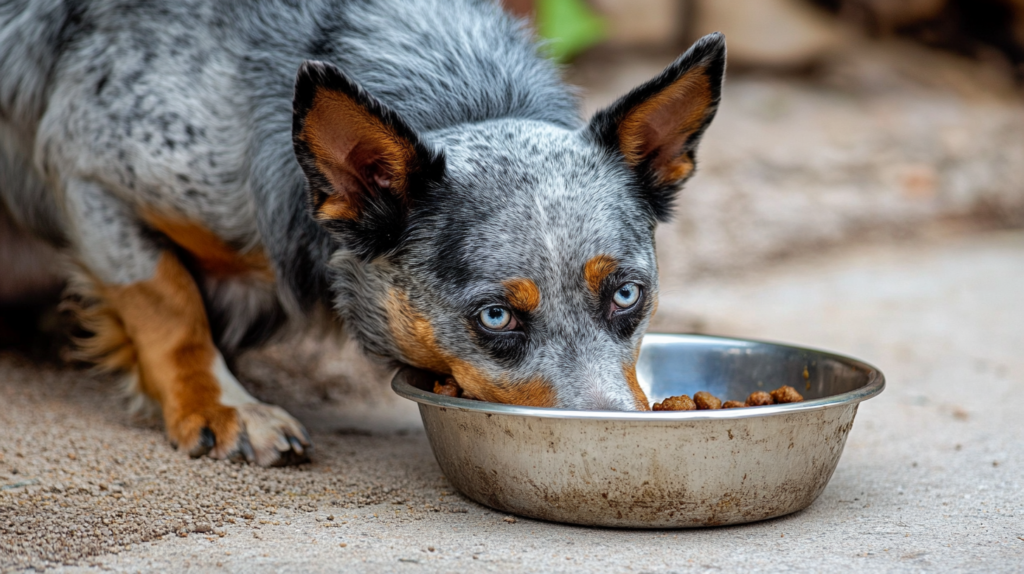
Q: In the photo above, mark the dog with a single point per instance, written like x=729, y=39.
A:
x=413, y=172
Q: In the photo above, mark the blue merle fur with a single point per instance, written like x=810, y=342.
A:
x=188, y=104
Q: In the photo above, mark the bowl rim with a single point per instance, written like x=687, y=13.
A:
x=875, y=384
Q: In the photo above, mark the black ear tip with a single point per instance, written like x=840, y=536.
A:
x=707, y=52
x=711, y=45
x=714, y=38
x=315, y=72
x=307, y=79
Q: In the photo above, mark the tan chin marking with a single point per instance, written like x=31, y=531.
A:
x=629, y=371
x=533, y=393
x=597, y=269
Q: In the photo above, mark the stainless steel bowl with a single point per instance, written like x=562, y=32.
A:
x=658, y=469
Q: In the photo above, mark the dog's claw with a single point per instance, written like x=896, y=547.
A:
x=274, y=437
x=206, y=442
x=281, y=443
x=290, y=457
x=246, y=447
x=243, y=451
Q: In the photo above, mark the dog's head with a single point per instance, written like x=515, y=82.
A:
x=514, y=254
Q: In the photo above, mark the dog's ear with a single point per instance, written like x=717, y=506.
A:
x=363, y=164
x=657, y=126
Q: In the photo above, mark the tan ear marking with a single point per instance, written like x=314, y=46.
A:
x=338, y=207
x=597, y=269
x=353, y=149
x=522, y=294
x=659, y=128
x=533, y=393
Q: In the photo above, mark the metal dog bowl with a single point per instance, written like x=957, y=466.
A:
x=658, y=469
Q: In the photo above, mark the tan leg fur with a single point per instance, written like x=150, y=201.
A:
x=164, y=331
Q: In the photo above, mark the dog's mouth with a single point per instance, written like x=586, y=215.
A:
x=449, y=386
x=530, y=395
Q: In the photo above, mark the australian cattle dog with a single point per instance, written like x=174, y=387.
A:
x=414, y=171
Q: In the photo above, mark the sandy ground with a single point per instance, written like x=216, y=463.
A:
x=931, y=479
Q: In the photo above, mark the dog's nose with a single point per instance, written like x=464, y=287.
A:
x=607, y=404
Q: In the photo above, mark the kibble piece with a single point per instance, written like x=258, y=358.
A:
x=448, y=388
x=680, y=403
x=733, y=404
x=759, y=398
x=705, y=401
x=786, y=394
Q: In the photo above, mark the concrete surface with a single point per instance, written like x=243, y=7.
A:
x=932, y=478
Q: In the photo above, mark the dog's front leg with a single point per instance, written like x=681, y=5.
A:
x=160, y=311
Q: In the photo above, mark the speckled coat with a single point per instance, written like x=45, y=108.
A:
x=413, y=170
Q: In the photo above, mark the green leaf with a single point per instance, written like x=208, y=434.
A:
x=569, y=26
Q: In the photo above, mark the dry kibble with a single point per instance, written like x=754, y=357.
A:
x=786, y=394
x=448, y=388
x=706, y=401
x=759, y=398
x=701, y=400
x=680, y=403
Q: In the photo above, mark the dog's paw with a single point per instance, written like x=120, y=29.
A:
x=273, y=437
x=213, y=430
x=252, y=432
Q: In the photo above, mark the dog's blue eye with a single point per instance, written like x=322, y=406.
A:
x=627, y=295
x=495, y=318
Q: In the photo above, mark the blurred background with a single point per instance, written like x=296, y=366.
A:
x=842, y=120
